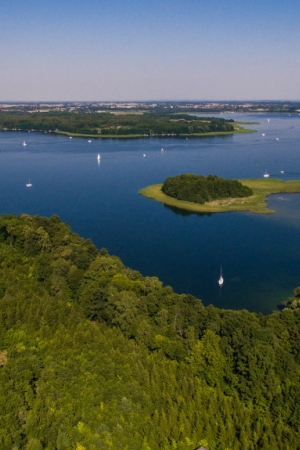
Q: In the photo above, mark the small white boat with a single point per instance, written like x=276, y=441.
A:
x=24, y=144
x=89, y=141
x=98, y=157
x=162, y=150
x=282, y=171
x=266, y=174
x=277, y=139
x=221, y=279
x=70, y=137
x=29, y=184
x=263, y=134
x=144, y=154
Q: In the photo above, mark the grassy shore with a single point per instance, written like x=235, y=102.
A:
x=237, y=130
x=262, y=187
x=101, y=136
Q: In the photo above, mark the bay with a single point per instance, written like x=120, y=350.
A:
x=259, y=254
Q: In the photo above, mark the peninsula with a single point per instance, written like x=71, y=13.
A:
x=255, y=203
x=121, y=124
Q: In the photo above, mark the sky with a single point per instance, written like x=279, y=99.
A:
x=135, y=50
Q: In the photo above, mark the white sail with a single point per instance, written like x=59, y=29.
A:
x=221, y=279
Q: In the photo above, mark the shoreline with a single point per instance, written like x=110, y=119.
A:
x=238, y=130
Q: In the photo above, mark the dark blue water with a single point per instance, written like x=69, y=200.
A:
x=259, y=254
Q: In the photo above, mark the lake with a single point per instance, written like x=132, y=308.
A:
x=258, y=253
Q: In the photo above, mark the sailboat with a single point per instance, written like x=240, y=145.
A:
x=28, y=184
x=98, y=157
x=24, y=144
x=266, y=175
x=221, y=279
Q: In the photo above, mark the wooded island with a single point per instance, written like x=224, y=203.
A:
x=121, y=125
x=200, y=189
x=255, y=202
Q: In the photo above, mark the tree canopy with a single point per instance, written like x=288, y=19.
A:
x=201, y=189
x=93, y=355
x=109, y=124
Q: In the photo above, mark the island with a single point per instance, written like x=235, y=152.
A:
x=201, y=189
x=255, y=203
x=121, y=124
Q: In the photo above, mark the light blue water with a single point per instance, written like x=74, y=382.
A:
x=259, y=254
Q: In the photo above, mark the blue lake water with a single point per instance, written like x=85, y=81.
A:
x=259, y=254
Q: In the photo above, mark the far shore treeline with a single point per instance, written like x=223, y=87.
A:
x=201, y=189
x=104, y=124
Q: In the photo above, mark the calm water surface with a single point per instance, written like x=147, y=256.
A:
x=259, y=254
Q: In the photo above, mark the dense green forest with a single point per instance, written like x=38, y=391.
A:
x=108, y=124
x=200, y=189
x=93, y=355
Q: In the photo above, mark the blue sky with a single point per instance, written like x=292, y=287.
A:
x=97, y=50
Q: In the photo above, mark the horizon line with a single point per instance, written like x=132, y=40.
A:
x=150, y=100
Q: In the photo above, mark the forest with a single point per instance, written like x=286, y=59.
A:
x=201, y=189
x=114, y=125
x=94, y=355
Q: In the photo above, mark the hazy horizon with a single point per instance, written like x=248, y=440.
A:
x=242, y=100
x=207, y=50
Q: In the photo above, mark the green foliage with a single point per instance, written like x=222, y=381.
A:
x=294, y=302
x=107, y=124
x=200, y=189
x=95, y=356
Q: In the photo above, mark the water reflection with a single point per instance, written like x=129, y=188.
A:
x=185, y=212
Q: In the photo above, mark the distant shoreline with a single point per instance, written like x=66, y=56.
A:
x=256, y=203
x=238, y=130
